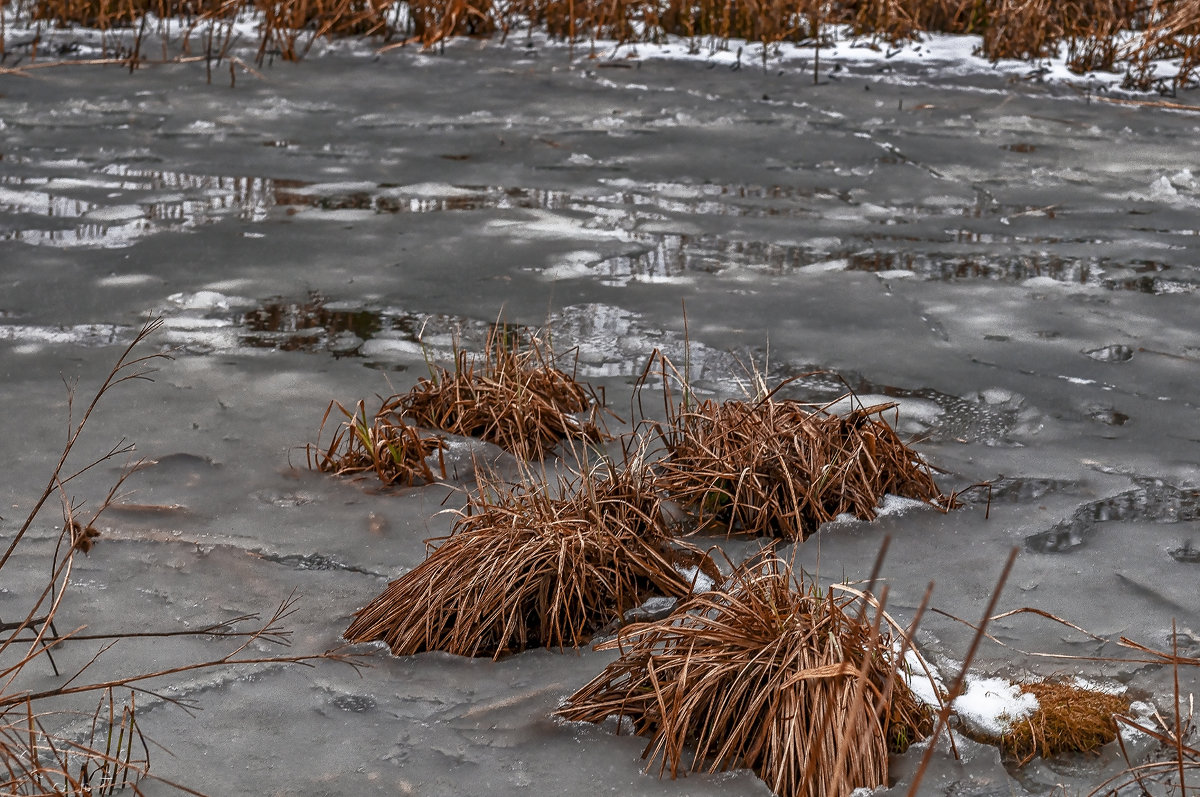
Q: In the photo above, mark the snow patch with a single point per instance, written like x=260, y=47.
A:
x=991, y=706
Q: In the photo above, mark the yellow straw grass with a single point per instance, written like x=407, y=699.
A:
x=1069, y=719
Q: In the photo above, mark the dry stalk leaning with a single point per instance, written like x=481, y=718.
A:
x=39, y=757
x=782, y=468
x=529, y=566
x=385, y=445
x=769, y=673
x=512, y=395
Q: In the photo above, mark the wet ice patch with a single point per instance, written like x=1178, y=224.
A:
x=700, y=581
x=572, y=265
x=612, y=341
x=1116, y=353
x=78, y=334
x=1152, y=500
x=392, y=346
x=124, y=280
x=116, y=213
x=205, y=300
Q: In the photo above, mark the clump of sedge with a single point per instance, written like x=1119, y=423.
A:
x=512, y=395
x=770, y=673
x=385, y=445
x=530, y=566
x=782, y=468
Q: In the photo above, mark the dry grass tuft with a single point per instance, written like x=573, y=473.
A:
x=529, y=566
x=1069, y=719
x=768, y=673
x=512, y=395
x=782, y=468
x=384, y=445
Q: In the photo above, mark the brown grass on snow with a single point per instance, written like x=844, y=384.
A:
x=782, y=468
x=530, y=565
x=512, y=394
x=768, y=673
x=1069, y=719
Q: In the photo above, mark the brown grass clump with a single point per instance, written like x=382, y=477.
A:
x=511, y=395
x=384, y=445
x=782, y=468
x=768, y=673
x=524, y=567
x=1069, y=719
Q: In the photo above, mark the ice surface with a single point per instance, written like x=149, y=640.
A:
x=700, y=581
x=606, y=203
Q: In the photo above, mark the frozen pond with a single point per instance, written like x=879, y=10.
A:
x=1018, y=267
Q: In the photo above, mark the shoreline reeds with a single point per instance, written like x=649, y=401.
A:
x=1129, y=36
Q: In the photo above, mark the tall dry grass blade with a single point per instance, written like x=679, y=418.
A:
x=960, y=680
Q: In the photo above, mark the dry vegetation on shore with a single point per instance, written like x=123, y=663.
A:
x=1126, y=36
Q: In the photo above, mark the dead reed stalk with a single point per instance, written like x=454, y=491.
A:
x=771, y=673
x=530, y=565
x=782, y=468
x=37, y=756
x=384, y=445
x=512, y=394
